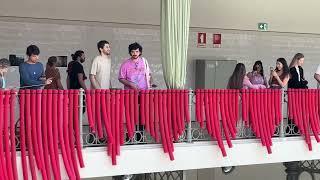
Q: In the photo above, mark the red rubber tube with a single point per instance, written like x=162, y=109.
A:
x=33, y=99
x=108, y=104
x=107, y=126
x=166, y=126
x=136, y=107
x=77, y=126
x=61, y=137
x=169, y=94
x=223, y=117
x=211, y=112
x=244, y=107
x=147, y=118
x=65, y=124
x=6, y=134
x=156, y=115
x=132, y=108
x=71, y=131
x=236, y=105
x=253, y=109
x=13, y=135
x=181, y=111
x=127, y=114
x=142, y=107
x=93, y=105
x=278, y=106
x=197, y=93
x=201, y=108
x=161, y=121
x=98, y=112
x=260, y=118
x=216, y=120
x=315, y=106
x=311, y=111
x=175, y=125
x=269, y=111
x=117, y=116
x=265, y=120
x=227, y=114
x=22, y=135
x=178, y=113
x=151, y=113
x=44, y=127
x=113, y=121
x=29, y=137
x=39, y=134
x=300, y=113
x=121, y=120
x=186, y=106
x=207, y=110
x=290, y=98
x=2, y=155
x=306, y=118
x=55, y=97
x=89, y=110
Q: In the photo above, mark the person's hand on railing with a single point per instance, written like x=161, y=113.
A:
x=48, y=81
x=261, y=86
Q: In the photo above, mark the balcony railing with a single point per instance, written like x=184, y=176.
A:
x=193, y=132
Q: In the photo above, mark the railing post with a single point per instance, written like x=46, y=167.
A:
x=189, y=128
x=292, y=169
x=81, y=94
x=281, y=132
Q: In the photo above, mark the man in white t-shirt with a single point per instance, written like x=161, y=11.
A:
x=101, y=67
x=317, y=75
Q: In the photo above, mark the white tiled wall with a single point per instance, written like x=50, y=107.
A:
x=243, y=46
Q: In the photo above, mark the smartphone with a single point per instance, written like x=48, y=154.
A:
x=271, y=69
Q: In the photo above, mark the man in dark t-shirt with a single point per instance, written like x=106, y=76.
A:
x=76, y=75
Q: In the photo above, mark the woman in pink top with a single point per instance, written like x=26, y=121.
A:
x=257, y=74
x=239, y=80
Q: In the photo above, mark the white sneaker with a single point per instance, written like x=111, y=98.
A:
x=227, y=169
x=127, y=177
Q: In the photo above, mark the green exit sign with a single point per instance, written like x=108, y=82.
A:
x=263, y=26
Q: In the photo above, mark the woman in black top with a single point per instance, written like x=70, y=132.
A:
x=297, y=80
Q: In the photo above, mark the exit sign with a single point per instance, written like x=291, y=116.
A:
x=263, y=26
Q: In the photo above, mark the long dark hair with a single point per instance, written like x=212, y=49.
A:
x=255, y=67
x=285, y=68
x=236, y=79
x=295, y=59
x=52, y=61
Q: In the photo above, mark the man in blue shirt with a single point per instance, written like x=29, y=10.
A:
x=31, y=71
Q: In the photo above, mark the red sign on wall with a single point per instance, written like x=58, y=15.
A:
x=202, y=39
x=217, y=40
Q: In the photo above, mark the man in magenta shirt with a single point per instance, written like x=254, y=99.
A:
x=135, y=72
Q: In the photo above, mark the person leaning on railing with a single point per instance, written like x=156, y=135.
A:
x=279, y=77
x=256, y=76
x=53, y=72
x=297, y=80
x=239, y=80
x=31, y=71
